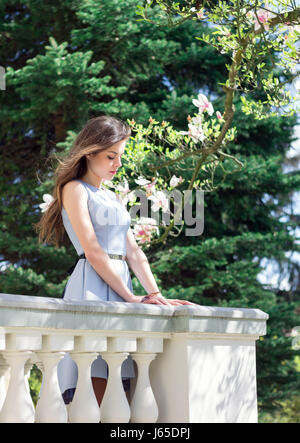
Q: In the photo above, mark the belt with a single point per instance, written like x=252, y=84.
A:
x=82, y=256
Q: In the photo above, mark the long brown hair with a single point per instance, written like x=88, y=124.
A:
x=98, y=134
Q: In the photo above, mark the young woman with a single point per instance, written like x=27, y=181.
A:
x=98, y=226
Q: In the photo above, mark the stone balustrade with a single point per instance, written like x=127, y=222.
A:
x=193, y=364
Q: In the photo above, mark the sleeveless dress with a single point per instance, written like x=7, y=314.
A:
x=111, y=222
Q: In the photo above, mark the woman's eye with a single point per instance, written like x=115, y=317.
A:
x=111, y=158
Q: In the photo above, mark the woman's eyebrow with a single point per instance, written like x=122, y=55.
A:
x=116, y=152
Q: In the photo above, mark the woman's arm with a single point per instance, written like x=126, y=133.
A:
x=139, y=264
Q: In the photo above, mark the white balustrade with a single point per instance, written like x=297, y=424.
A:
x=17, y=407
x=4, y=378
x=193, y=364
x=86, y=349
x=143, y=406
x=50, y=407
x=114, y=406
x=84, y=393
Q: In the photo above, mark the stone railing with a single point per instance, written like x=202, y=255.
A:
x=193, y=364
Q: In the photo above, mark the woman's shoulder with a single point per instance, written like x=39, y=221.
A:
x=74, y=184
x=73, y=187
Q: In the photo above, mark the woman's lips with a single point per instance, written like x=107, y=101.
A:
x=112, y=172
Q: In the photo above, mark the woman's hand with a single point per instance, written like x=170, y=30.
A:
x=177, y=302
x=160, y=300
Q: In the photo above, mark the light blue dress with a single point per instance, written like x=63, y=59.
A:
x=111, y=222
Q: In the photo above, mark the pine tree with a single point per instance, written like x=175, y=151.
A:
x=69, y=61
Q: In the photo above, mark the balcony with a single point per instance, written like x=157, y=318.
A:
x=193, y=364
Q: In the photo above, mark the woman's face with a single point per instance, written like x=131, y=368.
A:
x=106, y=163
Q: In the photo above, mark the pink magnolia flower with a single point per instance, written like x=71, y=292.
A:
x=175, y=180
x=195, y=132
x=203, y=104
x=219, y=115
x=151, y=186
x=148, y=185
x=145, y=229
x=200, y=14
x=123, y=187
x=262, y=17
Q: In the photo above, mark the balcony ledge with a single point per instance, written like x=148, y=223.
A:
x=203, y=360
x=91, y=315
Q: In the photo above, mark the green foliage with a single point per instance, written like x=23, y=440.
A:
x=68, y=61
x=35, y=382
x=288, y=413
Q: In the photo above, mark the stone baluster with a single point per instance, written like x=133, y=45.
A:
x=114, y=406
x=143, y=404
x=4, y=371
x=50, y=407
x=18, y=406
x=84, y=407
x=4, y=379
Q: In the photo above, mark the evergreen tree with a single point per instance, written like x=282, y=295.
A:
x=69, y=61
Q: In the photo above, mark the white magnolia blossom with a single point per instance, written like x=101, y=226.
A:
x=125, y=197
x=147, y=221
x=160, y=201
x=123, y=187
x=142, y=181
x=125, y=194
x=175, y=180
x=47, y=201
x=203, y=104
x=195, y=132
x=109, y=183
x=197, y=120
x=147, y=184
x=195, y=126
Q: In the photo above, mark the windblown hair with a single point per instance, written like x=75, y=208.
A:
x=98, y=134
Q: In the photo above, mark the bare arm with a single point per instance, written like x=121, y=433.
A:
x=138, y=262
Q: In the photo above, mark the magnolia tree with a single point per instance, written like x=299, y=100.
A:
x=247, y=32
